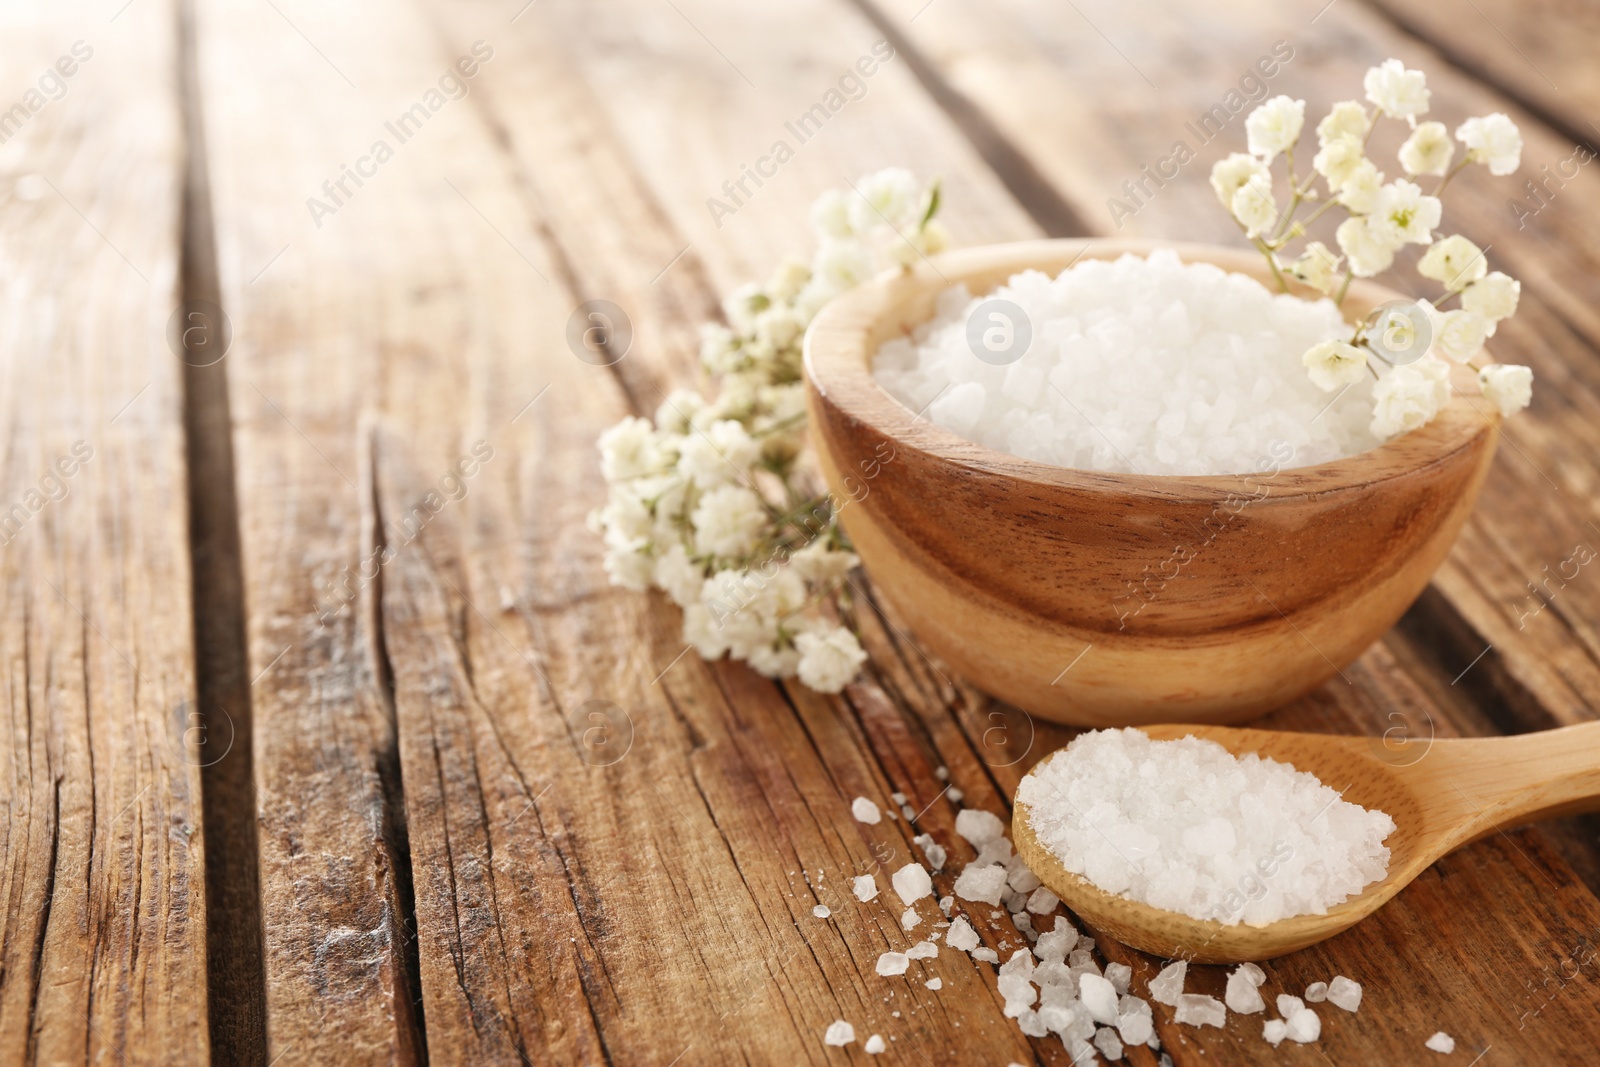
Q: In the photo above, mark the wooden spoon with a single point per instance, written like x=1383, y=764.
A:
x=1442, y=794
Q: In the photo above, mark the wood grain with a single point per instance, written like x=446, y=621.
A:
x=102, y=929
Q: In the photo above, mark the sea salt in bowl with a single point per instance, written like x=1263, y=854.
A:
x=1250, y=590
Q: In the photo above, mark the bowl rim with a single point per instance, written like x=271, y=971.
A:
x=838, y=351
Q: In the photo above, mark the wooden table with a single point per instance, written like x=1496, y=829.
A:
x=302, y=644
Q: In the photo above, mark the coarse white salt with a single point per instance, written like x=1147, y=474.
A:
x=909, y=918
x=934, y=853
x=1167, y=987
x=922, y=950
x=1242, y=995
x=875, y=1044
x=1042, y=902
x=1119, y=975
x=893, y=963
x=865, y=811
x=1187, y=826
x=839, y=1034
x=1317, y=992
x=1099, y=996
x=934, y=983
x=1441, y=1042
x=864, y=886
x=912, y=883
x=1135, y=1027
x=1288, y=1004
x=979, y=827
x=1109, y=1044
x=1275, y=1030
x=1304, y=1026
x=956, y=796
x=1134, y=365
x=1344, y=993
x=822, y=911
x=987, y=955
x=1199, y=1010
x=984, y=883
x=962, y=936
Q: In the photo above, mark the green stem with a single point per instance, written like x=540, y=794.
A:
x=1345, y=288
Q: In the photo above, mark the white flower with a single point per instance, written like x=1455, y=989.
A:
x=788, y=279
x=728, y=522
x=891, y=197
x=1338, y=160
x=1230, y=174
x=776, y=660
x=743, y=305
x=1334, y=364
x=1347, y=119
x=840, y=265
x=1254, y=207
x=1402, y=214
x=1317, y=266
x=820, y=564
x=625, y=519
x=1492, y=140
x=1455, y=261
x=1493, y=296
x=1510, y=387
x=680, y=576
x=678, y=410
x=719, y=348
x=1427, y=150
x=1275, y=126
x=829, y=659
x=722, y=452
x=1367, y=252
x=1460, y=334
x=1407, y=397
x=702, y=630
x=629, y=569
x=1397, y=92
x=830, y=215
x=1359, y=190
x=777, y=327
x=629, y=449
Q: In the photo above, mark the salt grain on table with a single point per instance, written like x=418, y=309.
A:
x=922, y=950
x=978, y=827
x=984, y=883
x=1275, y=1030
x=1198, y=1010
x=1099, y=997
x=1242, y=994
x=1442, y=1042
x=893, y=963
x=1167, y=987
x=839, y=1034
x=934, y=983
x=912, y=883
x=821, y=911
x=1317, y=992
x=865, y=811
x=1174, y=823
x=909, y=919
x=1171, y=369
x=875, y=1044
x=864, y=886
x=1344, y=993
x=1304, y=1026
x=962, y=936
x=1288, y=1004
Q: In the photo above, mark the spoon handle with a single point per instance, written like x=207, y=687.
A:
x=1508, y=781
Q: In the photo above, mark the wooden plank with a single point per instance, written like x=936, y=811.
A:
x=102, y=928
x=1537, y=505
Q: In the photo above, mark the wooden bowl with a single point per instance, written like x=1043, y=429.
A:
x=1024, y=576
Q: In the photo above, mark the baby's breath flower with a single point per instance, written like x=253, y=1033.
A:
x=1254, y=207
x=1230, y=174
x=1428, y=150
x=829, y=659
x=1494, y=296
x=888, y=198
x=1359, y=190
x=830, y=215
x=1396, y=91
x=1494, y=141
x=1455, y=261
x=1317, y=266
x=1275, y=126
x=1460, y=334
x=728, y=522
x=1508, y=387
x=1333, y=365
x=1403, y=214
x=1368, y=254
x=1347, y=119
x=1408, y=397
x=629, y=449
x=1338, y=160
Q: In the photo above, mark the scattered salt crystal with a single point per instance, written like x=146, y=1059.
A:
x=942, y=773
x=922, y=950
x=898, y=798
x=1099, y=996
x=1030, y=1023
x=1054, y=946
x=987, y=955
x=981, y=883
x=1317, y=992
x=955, y=795
x=996, y=851
x=1344, y=993
x=893, y=963
x=839, y=1034
x=905, y=809
x=1024, y=924
x=1042, y=901
x=909, y=918
x=946, y=903
x=1255, y=974
x=912, y=883
x=865, y=811
x=1304, y=1026
x=1014, y=902
x=935, y=853
x=1135, y=1027
x=1275, y=1030
x=1119, y=975
x=864, y=886
x=1167, y=987
x=962, y=936
x=1288, y=1005
x=934, y=983
x=1198, y=1010
x=1242, y=995
x=978, y=826
x=875, y=1044
x=1187, y=826
x=1185, y=369
x=821, y=911
x=1019, y=878
x=1018, y=992
x=1442, y=1042
x=1106, y=1040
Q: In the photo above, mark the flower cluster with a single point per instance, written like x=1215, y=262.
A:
x=709, y=501
x=1381, y=219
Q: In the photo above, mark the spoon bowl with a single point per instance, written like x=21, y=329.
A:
x=1441, y=793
